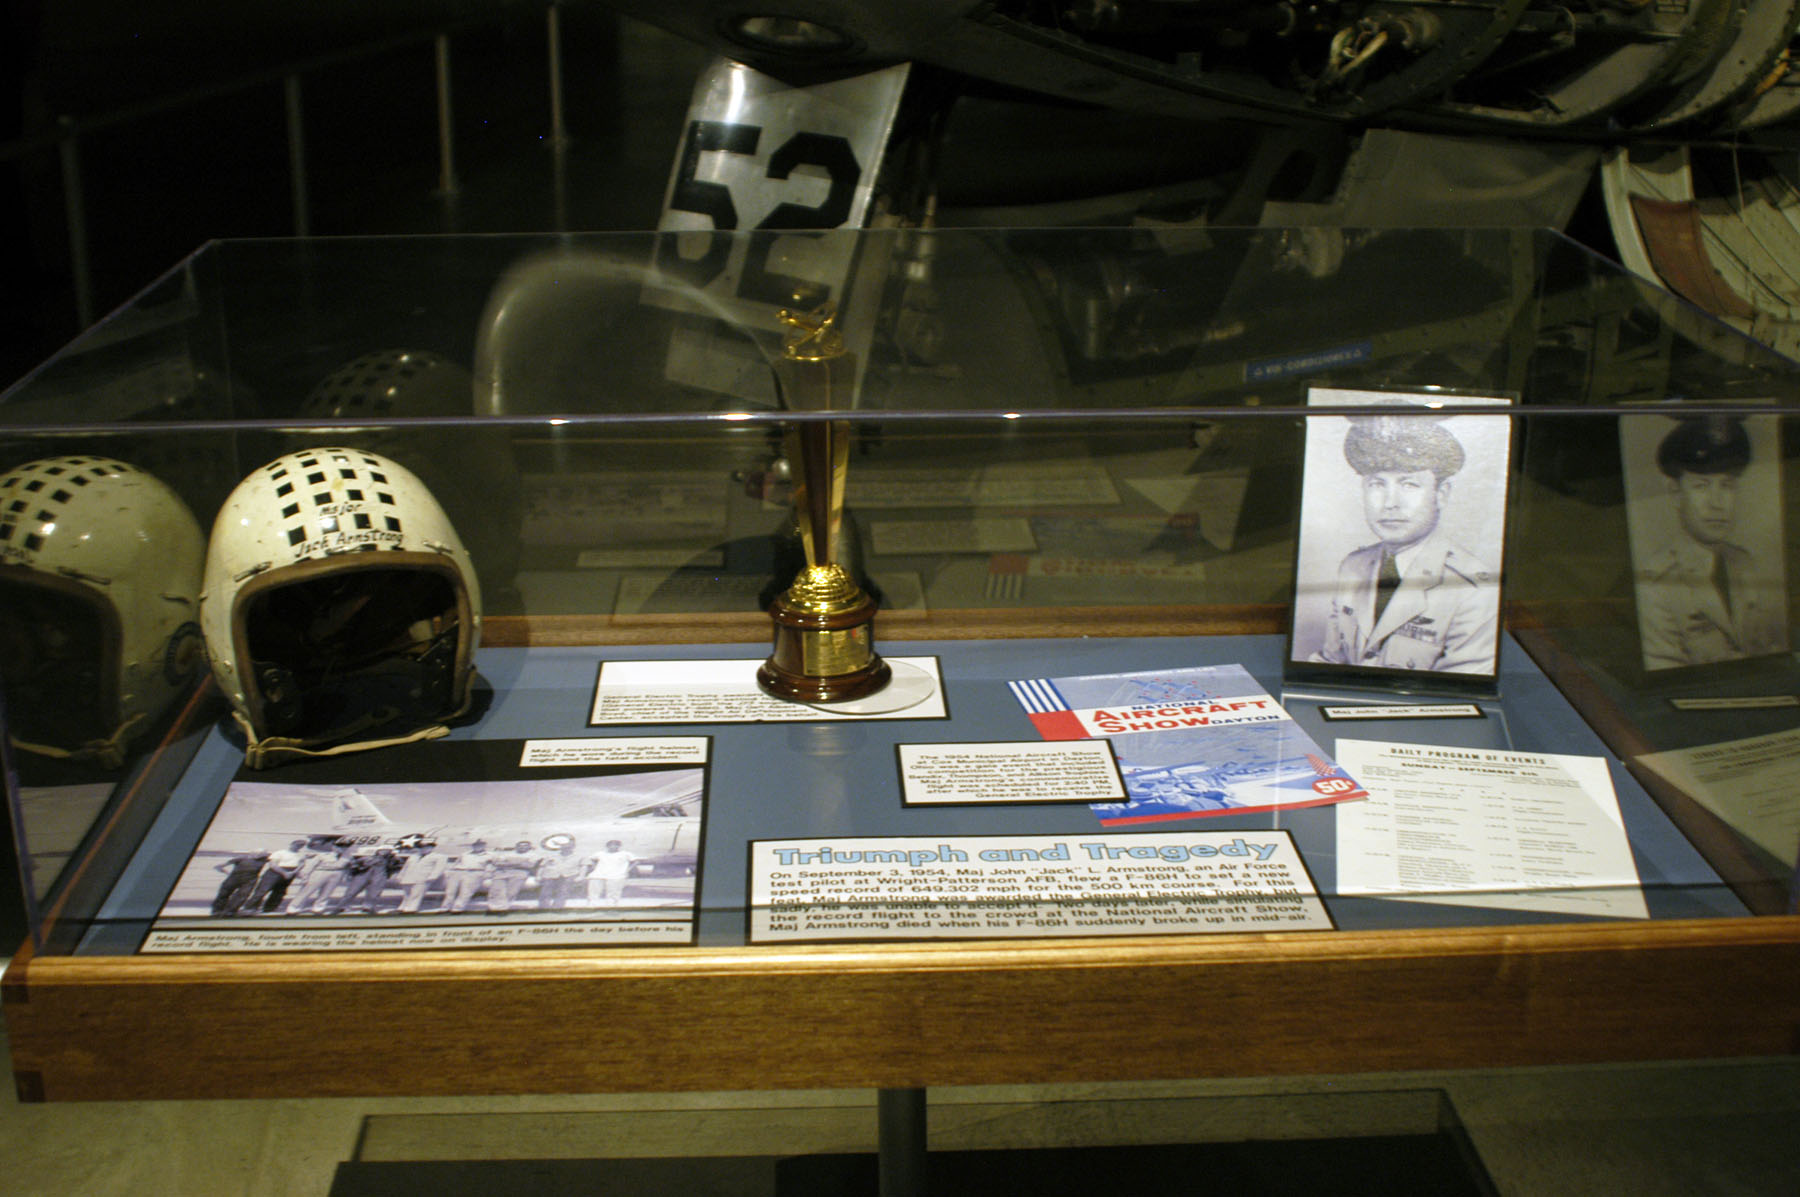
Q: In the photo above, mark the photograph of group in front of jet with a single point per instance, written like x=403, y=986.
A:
x=613, y=846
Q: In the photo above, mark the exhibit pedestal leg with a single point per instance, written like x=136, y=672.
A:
x=901, y=1114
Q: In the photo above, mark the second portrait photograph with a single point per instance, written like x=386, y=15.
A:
x=1703, y=504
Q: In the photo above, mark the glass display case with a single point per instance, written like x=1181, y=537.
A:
x=382, y=622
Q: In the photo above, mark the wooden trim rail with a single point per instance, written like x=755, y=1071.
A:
x=899, y=1015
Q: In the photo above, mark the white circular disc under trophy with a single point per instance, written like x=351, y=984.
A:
x=907, y=687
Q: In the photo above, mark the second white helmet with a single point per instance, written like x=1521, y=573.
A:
x=99, y=577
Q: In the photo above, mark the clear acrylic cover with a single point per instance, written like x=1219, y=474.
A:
x=1073, y=452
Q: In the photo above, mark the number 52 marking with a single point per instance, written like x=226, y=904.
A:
x=690, y=193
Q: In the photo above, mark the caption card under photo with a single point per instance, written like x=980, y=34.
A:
x=615, y=750
x=619, y=933
x=1376, y=712
x=1030, y=886
x=725, y=691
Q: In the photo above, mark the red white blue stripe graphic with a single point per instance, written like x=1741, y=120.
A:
x=1048, y=710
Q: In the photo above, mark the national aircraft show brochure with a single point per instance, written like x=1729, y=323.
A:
x=1190, y=743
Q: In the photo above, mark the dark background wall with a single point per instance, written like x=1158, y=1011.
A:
x=181, y=134
x=180, y=123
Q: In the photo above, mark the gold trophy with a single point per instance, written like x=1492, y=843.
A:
x=824, y=646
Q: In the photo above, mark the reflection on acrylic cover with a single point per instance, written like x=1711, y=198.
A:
x=1703, y=506
x=618, y=843
x=1402, y=523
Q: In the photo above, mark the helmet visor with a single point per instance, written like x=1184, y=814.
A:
x=59, y=646
x=332, y=653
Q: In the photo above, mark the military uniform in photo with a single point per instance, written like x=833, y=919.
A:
x=1414, y=599
x=465, y=874
x=1442, y=614
x=1705, y=597
x=417, y=874
x=1702, y=606
x=318, y=875
x=508, y=875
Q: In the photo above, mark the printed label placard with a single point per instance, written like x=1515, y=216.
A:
x=919, y=887
x=1022, y=771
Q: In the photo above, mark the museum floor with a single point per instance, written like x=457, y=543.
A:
x=1688, y=1130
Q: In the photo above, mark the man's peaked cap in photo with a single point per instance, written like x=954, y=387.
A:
x=1402, y=443
x=1704, y=445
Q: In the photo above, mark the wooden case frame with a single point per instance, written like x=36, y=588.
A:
x=900, y=1015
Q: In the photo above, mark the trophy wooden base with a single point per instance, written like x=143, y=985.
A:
x=823, y=657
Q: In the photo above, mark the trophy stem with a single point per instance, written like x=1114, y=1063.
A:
x=823, y=451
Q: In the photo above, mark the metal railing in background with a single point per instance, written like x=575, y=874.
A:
x=65, y=139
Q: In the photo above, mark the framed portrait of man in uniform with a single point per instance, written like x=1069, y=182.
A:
x=1703, y=509
x=1402, y=529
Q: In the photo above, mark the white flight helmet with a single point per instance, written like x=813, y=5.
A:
x=471, y=470
x=99, y=589
x=340, y=609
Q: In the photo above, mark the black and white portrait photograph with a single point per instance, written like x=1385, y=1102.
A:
x=353, y=859
x=1402, y=528
x=1703, y=507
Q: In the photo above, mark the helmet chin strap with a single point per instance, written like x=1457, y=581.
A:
x=260, y=754
x=273, y=750
x=109, y=753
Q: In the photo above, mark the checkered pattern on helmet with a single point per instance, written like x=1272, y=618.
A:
x=391, y=382
x=33, y=496
x=369, y=383
x=305, y=482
